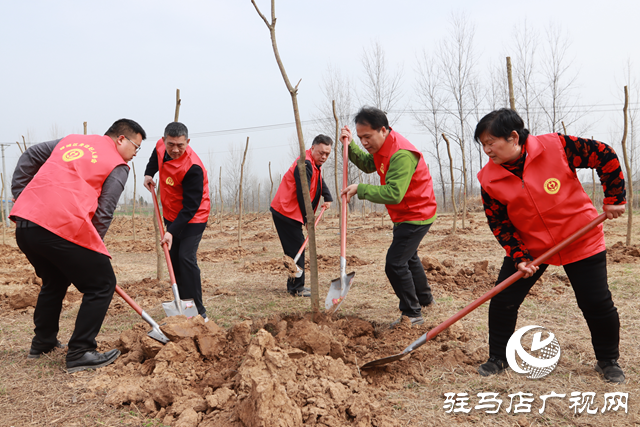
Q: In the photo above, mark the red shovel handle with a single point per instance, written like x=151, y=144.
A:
x=513, y=278
x=129, y=300
x=172, y=277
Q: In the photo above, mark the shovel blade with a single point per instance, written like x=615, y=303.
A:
x=383, y=361
x=338, y=291
x=188, y=306
x=157, y=335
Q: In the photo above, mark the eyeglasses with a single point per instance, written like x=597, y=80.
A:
x=134, y=144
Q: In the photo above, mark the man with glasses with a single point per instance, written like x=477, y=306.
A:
x=184, y=192
x=65, y=193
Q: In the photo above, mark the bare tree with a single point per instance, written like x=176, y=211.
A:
x=453, y=185
x=430, y=114
x=133, y=211
x=293, y=91
x=382, y=87
x=457, y=68
x=627, y=166
x=244, y=157
x=525, y=42
x=556, y=95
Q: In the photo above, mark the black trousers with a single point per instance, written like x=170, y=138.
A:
x=588, y=278
x=405, y=271
x=184, y=258
x=59, y=263
x=291, y=239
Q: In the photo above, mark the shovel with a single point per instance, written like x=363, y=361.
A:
x=340, y=287
x=177, y=306
x=155, y=332
x=493, y=292
x=304, y=245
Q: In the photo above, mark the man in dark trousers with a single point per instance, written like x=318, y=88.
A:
x=184, y=192
x=288, y=208
x=65, y=194
x=406, y=189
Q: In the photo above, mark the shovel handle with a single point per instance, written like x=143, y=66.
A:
x=165, y=247
x=343, y=214
x=129, y=300
x=304, y=245
x=504, y=284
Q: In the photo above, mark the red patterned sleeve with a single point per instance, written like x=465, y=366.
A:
x=589, y=153
x=503, y=229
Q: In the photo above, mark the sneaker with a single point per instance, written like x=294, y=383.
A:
x=35, y=354
x=204, y=316
x=92, y=360
x=304, y=288
x=430, y=303
x=492, y=366
x=610, y=370
x=301, y=293
x=414, y=321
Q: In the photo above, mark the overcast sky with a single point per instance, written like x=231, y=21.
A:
x=66, y=62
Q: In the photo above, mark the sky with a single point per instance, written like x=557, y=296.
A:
x=66, y=62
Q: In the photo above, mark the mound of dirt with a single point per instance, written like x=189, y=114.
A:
x=620, y=253
x=122, y=226
x=272, y=266
x=25, y=294
x=281, y=371
x=476, y=280
x=333, y=262
x=262, y=236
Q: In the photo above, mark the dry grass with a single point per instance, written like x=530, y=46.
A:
x=40, y=393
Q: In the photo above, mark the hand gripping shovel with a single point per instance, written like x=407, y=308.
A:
x=340, y=286
x=177, y=306
x=493, y=292
x=304, y=245
x=155, y=333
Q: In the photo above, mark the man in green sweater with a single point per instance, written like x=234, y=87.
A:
x=406, y=188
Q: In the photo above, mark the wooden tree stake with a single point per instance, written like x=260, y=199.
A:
x=629, y=176
x=512, y=98
x=453, y=185
x=244, y=157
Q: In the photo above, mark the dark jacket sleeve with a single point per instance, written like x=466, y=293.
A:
x=152, y=165
x=192, y=189
x=296, y=176
x=108, y=201
x=326, y=193
x=29, y=164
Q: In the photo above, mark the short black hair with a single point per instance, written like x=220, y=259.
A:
x=500, y=123
x=373, y=117
x=322, y=139
x=176, y=129
x=126, y=127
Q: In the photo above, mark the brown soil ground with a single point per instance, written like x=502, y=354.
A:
x=265, y=360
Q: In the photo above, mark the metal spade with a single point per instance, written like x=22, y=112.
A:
x=155, y=332
x=177, y=306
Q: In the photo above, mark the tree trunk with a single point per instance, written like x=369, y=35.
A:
x=84, y=124
x=335, y=153
x=4, y=226
x=221, y=200
x=293, y=91
x=512, y=98
x=453, y=185
x=270, y=191
x=159, y=251
x=627, y=165
x=178, y=102
x=240, y=195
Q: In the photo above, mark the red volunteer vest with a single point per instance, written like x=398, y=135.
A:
x=548, y=204
x=171, y=175
x=63, y=196
x=419, y=202
x=285, y=201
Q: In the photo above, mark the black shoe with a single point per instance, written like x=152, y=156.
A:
x=301, y=293
x=35, y=354
x=493, y=366
x=610, y=370
x=92, y=360
x=414, y=321
x=430, y=303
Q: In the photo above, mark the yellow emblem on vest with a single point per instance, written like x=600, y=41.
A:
x=382, y=168
x=169, y=181
x=552, y=185
x=73, y=154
